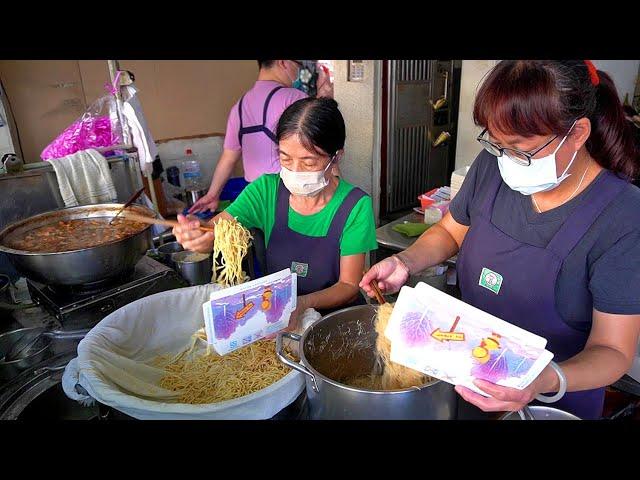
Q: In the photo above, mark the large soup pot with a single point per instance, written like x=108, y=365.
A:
x=342, y=345
x=76, y=267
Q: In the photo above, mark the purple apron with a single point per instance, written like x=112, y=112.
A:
x=316, y=260
x=526, y=296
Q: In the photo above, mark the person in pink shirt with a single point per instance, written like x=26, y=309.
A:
x=251, y=125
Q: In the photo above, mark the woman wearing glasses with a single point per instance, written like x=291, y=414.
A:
x=547, y=228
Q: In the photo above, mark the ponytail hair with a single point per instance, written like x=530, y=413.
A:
x=613, y=142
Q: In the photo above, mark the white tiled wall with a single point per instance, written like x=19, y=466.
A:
x=207, y=150
x=473, y=72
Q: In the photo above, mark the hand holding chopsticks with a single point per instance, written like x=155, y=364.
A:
x=374, y=285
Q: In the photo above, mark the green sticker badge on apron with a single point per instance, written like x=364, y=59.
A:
x=490, y=280
x=300, y=269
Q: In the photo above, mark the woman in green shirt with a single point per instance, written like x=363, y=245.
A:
x=313, y=222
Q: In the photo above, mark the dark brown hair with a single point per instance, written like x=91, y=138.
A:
x=317, y=122
x=544, y=97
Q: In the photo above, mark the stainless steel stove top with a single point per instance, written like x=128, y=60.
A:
x=84, y=306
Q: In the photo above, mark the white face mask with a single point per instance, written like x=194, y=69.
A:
x=306, y=184
x=540, y=176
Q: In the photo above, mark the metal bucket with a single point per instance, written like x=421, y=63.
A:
x=342, y=345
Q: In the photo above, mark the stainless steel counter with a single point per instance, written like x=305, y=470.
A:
x=393, y=240
x=389, y=238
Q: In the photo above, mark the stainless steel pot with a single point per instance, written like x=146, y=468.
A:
x=196, y=272
x=167, y=251
x=540, y=412
x=10, y=369
x=78, y=267
x=342, y=345
x=193, y=196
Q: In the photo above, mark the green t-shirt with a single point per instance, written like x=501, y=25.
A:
x=256, y=208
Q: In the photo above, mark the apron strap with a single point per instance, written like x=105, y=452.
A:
x=258, y=128
x=266, y=105
x=492, y=194
x=605, y=190
x=240, y=130
x=282, y=207
x=340, y=217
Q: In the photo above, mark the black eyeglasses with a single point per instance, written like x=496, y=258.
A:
x=518, y=156
x=298, y=62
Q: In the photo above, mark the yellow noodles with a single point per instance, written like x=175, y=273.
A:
x=212, y=378
x=394, y=376
x=230, y=245
x=209, y=377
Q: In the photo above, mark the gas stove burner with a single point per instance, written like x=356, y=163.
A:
x=85, y=305
x=94, y=287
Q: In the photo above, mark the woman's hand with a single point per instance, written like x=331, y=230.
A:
x=208, y=202
x=296, y=315
x=506, y=399
x=189, y=235
x=294, y=319
x=390, y=274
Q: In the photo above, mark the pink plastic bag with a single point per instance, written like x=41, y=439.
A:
x=98, y=127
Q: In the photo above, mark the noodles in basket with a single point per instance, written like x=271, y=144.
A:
x=211, y=378
x=206, y=377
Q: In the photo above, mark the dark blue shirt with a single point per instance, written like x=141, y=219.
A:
x=602, y=271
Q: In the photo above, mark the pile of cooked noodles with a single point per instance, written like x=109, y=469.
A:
x=394, y=376
x=210, y=378
x=206, y=377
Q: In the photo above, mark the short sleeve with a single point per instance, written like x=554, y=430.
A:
x=615, y=277
x=246, y=208
x=359, y=234
x=460, y=206
x=231, y=141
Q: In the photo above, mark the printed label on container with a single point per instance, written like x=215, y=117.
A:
x=446, y=338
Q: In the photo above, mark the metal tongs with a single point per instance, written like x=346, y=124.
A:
x=133, y=198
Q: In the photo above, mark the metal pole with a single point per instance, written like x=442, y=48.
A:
x=114, y=67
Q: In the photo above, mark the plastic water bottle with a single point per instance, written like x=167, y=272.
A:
x=191, y=172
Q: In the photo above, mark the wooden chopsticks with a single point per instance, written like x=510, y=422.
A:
x=373, y=284
x=157, y=221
